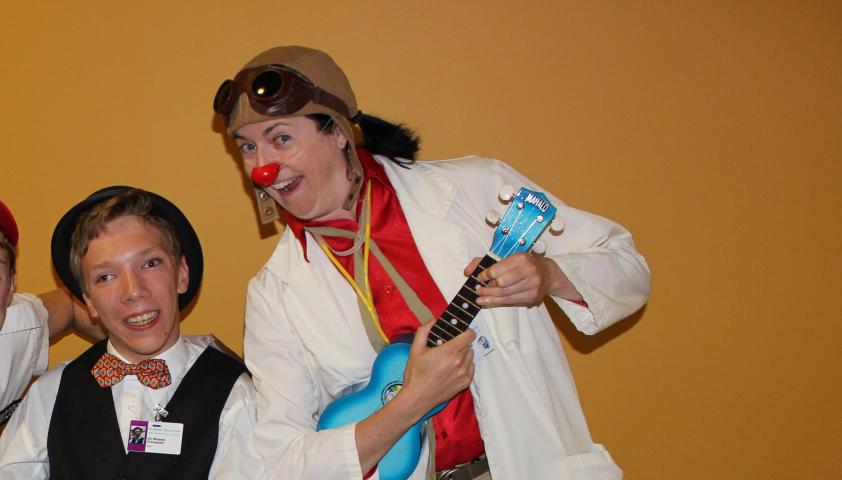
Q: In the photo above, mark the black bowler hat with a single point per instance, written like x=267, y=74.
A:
x=187, y=238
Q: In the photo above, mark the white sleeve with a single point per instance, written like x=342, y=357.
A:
x=24, y=346
x=41, y=316
x=598, y=256
x=23, y=445
x=235, y=457
x=288, y=397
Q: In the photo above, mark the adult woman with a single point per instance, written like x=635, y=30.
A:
x=321, y=306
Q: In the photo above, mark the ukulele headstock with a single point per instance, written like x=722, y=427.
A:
x=528, y=215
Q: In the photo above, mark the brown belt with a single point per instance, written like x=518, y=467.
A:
x=465, y=471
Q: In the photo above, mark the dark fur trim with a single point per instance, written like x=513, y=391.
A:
x=385, y=138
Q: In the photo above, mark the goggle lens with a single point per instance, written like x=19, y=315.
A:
x=222, y=100
x=267, y=84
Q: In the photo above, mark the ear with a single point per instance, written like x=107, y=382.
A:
x=339, y=137
x=183, y=275
x=11, y=289
x=90, y=306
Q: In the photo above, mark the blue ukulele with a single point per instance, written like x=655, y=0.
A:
x=525, y=219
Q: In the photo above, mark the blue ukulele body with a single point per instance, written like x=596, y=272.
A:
x=527, y=217
x=386, y=381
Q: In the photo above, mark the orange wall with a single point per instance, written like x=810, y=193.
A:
x=711, y=130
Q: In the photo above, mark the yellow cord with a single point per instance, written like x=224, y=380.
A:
x=366, y=250
x=368, y=297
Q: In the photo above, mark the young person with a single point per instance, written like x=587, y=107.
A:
x=137, y=437
x=374, y=248
x=28, y=322
x=136, y=261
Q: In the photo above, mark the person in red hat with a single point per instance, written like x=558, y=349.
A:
x=375, y=246
x=136, y=262
x=27, y=322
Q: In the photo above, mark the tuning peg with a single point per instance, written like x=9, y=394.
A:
x=539, y=247
x=493, y=218
x=557, y=225
x=506, y=193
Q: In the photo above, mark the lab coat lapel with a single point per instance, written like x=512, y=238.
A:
x=333, y=326
x=426, y=201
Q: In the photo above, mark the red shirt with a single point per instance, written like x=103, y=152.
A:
x=457, y=433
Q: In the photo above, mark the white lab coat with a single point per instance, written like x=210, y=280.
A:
x=306, y=345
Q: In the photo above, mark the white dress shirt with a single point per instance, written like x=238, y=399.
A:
x=23, y=445
x=24, y=342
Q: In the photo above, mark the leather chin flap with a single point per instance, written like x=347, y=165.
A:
x=266, y=207
x=263, y=177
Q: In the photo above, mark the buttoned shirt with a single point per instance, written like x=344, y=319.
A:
x=23, y=445
x=24, y=342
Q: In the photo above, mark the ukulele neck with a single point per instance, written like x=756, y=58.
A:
x=457, y=317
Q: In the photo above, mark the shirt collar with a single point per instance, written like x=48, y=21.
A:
x=372, y=171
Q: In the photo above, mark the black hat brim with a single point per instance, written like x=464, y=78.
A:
x=187, y=238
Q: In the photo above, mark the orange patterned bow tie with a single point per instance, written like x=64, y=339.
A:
x=110, y=370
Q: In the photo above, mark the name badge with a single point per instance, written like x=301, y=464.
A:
x=481, y=345
x=155, y=437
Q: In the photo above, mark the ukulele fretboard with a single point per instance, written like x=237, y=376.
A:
x=458, y=315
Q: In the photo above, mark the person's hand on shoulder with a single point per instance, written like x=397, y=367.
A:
x=66, y=314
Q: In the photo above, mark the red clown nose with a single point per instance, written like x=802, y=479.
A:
x=265, y=175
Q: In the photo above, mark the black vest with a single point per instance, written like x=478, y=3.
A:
x=84, y=440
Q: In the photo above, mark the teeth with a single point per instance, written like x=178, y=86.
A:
x=141, y=320
x=283, y=185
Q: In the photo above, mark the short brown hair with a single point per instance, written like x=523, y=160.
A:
x=6, y=245
x=91, y=224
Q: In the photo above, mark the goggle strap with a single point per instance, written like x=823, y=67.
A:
x=331, y=101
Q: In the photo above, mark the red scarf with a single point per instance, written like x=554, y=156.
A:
x=457, y=433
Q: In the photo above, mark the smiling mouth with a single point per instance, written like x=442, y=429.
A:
x=286, y=184
x=143, y=319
